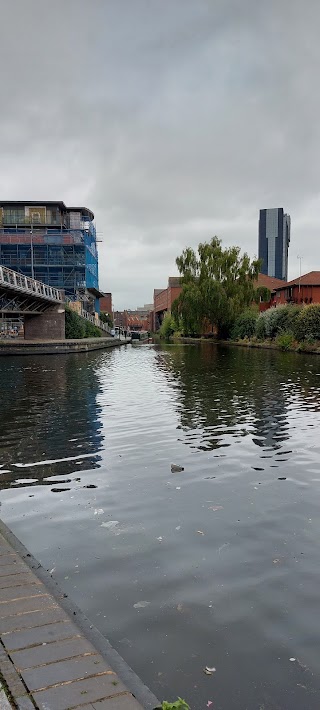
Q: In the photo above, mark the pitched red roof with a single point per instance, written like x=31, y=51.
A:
x=310, y=279
x=269, y=282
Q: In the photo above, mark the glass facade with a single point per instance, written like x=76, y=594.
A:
x=274, y=239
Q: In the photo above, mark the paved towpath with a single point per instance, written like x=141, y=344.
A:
x=51, y=657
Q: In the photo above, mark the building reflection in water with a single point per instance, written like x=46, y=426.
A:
x=49, y=411
x=225, y=393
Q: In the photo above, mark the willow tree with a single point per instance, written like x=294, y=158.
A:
x=217, y=285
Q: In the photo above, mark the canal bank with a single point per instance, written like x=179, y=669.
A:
x=51, y=655
x=57, y=347
x=306, y=348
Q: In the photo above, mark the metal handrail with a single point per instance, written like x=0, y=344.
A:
x=19, y=282
x=97, y=322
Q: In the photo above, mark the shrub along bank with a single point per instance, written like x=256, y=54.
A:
x=77, y=327
x=289, y=326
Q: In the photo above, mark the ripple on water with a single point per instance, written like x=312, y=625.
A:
x=214, y=566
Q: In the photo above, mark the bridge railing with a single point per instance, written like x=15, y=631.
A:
x=19, y=282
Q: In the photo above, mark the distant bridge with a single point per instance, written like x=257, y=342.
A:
x=21, y=295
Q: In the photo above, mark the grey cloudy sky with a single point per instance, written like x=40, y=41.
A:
x=173, y=120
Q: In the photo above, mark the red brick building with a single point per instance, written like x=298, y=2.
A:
x=304, y=289
x=106, y=303
x=272, y=284
x=163, y=300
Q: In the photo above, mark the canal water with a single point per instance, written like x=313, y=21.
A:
x=214, y=566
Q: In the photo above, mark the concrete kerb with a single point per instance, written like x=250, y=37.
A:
x=134, y=684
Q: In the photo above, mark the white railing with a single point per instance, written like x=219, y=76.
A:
x=19, y=282
x=97, y=322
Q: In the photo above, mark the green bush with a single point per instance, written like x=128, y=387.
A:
x=77, y=327
x=307, y=325
x=261, y=327
x=177, y=705
x=274, y=321
x=168, y=327
x=245, y=325
x=285, y=341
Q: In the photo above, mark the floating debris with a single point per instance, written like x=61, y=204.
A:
x=292, y=660
x=111, y=524
x=160, y=538
x=175, y=468
x=215, y=507
x=209, y=671
x=209, y=703
x=178, y=527
x=90, y=485
x=98, y=511
x=200, y=532
x=282, y=478
x=141, y=605
x=59, y=490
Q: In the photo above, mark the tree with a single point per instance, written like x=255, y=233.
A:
x=106, y=318
x=168, y=327
x=217, y=284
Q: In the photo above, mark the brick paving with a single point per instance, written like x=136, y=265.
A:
x=45, y=659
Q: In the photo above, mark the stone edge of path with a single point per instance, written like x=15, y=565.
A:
x=57, y=347
x=134, y=684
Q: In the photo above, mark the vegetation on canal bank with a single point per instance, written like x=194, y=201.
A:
x=217, y=286
x=77, y=327
x=289, y=327
x=219, y=298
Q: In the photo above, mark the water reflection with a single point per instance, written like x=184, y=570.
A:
x=224, y=394
x=49, y=414
x=225, y=553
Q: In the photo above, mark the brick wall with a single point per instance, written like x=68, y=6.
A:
x=49, y=325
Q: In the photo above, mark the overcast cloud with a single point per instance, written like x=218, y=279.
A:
x=173, y=120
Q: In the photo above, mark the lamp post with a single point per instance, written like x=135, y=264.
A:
x=300, y=260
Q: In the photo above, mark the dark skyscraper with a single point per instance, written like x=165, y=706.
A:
x=274, y=239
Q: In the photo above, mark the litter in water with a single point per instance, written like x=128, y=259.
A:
x=292, y=660
x=98, y=511
x=141, y=605
x=160, y=538
x=111, y=524
x=209, y=671
x=175, y=468
x=200, y=532
x=215, y=507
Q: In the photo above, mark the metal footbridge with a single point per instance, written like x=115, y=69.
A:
x=19, y=294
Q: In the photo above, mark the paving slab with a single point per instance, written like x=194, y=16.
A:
x=20, y=606
x=51, y=657
x=17, y=580
x=50, y=653
x=69, y=695
x=26, y=591
x=120, y=702
x=60, y=672
x=40, y=635
x=31, y=619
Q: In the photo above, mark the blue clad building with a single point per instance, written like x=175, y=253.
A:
x=274, y=240
x=54, y=244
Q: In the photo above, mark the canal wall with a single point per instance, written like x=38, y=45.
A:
x=57, y=347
